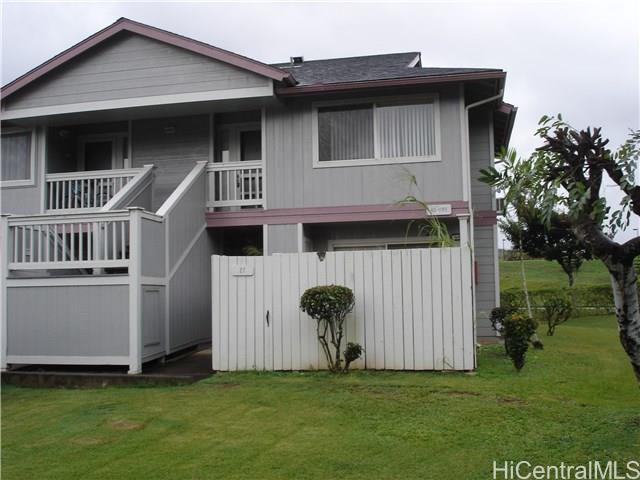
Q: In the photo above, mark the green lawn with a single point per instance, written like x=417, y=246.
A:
x=545, y=274
x=575, y=401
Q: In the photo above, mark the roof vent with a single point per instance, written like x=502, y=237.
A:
x=297, y=60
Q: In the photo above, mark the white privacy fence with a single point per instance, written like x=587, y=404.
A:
x=413, y=309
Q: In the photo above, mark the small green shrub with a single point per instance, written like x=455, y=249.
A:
x=517, y=330
x=352, y=353
x=498, y=315
x=329, y=305
x=557, y=310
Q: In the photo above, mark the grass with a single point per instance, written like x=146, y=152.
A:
x=575, y=401
x=548, y=275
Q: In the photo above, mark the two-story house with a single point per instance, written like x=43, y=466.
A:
x=133, y=156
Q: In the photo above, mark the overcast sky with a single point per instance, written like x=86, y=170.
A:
x=575, y=57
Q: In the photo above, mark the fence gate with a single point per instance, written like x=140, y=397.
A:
x=413, y=309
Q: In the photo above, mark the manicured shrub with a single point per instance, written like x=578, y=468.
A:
x=498, y=315
x=517, y=330
x=557, y=310
x=329, y=305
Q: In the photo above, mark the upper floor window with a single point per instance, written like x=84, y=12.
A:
x=376, y=132
x=17, y=158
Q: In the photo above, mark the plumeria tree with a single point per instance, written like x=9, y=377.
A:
x=566, y=173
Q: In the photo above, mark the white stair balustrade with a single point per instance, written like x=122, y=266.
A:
x=85, y=191
x=235, y=184
x=70, y=241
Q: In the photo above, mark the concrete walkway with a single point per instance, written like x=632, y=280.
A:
x=181, y=369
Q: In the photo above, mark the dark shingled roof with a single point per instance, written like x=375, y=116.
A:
x=367, y=68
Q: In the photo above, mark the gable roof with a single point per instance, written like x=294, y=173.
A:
x=369, y=68
x=124, y=24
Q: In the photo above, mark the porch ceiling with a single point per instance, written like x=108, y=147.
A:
x=142, y=112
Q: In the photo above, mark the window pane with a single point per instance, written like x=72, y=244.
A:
x=406, y=130
x=98, y=155
x=250, y=145
x=351, y=248
x=345, y=133
x=399, y=246
x=16, y=156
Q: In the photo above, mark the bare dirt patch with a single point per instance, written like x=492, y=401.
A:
x=88, y=441
x=122, y=424
x=510, y=400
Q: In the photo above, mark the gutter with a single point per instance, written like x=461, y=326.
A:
x=392, y=82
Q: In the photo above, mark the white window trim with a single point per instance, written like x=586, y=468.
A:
x=386, y=241
x=377, y=160
x=27, y=182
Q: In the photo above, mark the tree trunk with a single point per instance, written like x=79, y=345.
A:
x=625, y=294
x=535, y=340
x=524, y=281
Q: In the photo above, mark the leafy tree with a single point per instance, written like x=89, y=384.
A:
x=567, y=172
x=557, y=310
x=518, y=199
x=553, y=242
x=329, y=305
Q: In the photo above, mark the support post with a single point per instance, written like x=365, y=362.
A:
x=265, y=240
x=135, y=297
x=4, y=259
x=300, y=229
x=463, y=222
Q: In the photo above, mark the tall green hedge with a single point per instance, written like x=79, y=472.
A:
x=591, y=299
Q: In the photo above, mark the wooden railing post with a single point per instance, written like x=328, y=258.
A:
x=135, y=290
x=5, y=242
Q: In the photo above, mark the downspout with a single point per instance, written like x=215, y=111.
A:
x=468, y=145
x=471, y=219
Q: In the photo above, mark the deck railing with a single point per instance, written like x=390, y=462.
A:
x=235, y=184
x=70, y=241
x=85, y=190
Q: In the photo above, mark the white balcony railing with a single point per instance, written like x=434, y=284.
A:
x=235, y=184
x=69, y=241
x=85, y=190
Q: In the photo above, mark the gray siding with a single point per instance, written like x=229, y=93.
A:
x=293, y=182
x=282, y=239
x=68, y=320
x=26, y=200
x=190, y=297
x=485, y=254
x=173, y=154
x=131, y=66
x=153, y=321
x=189, y=286
x=485, y=237
x=186, y=219
x=481, y=149
x=153, y=250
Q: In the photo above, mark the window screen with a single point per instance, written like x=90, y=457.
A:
x=16, y=156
